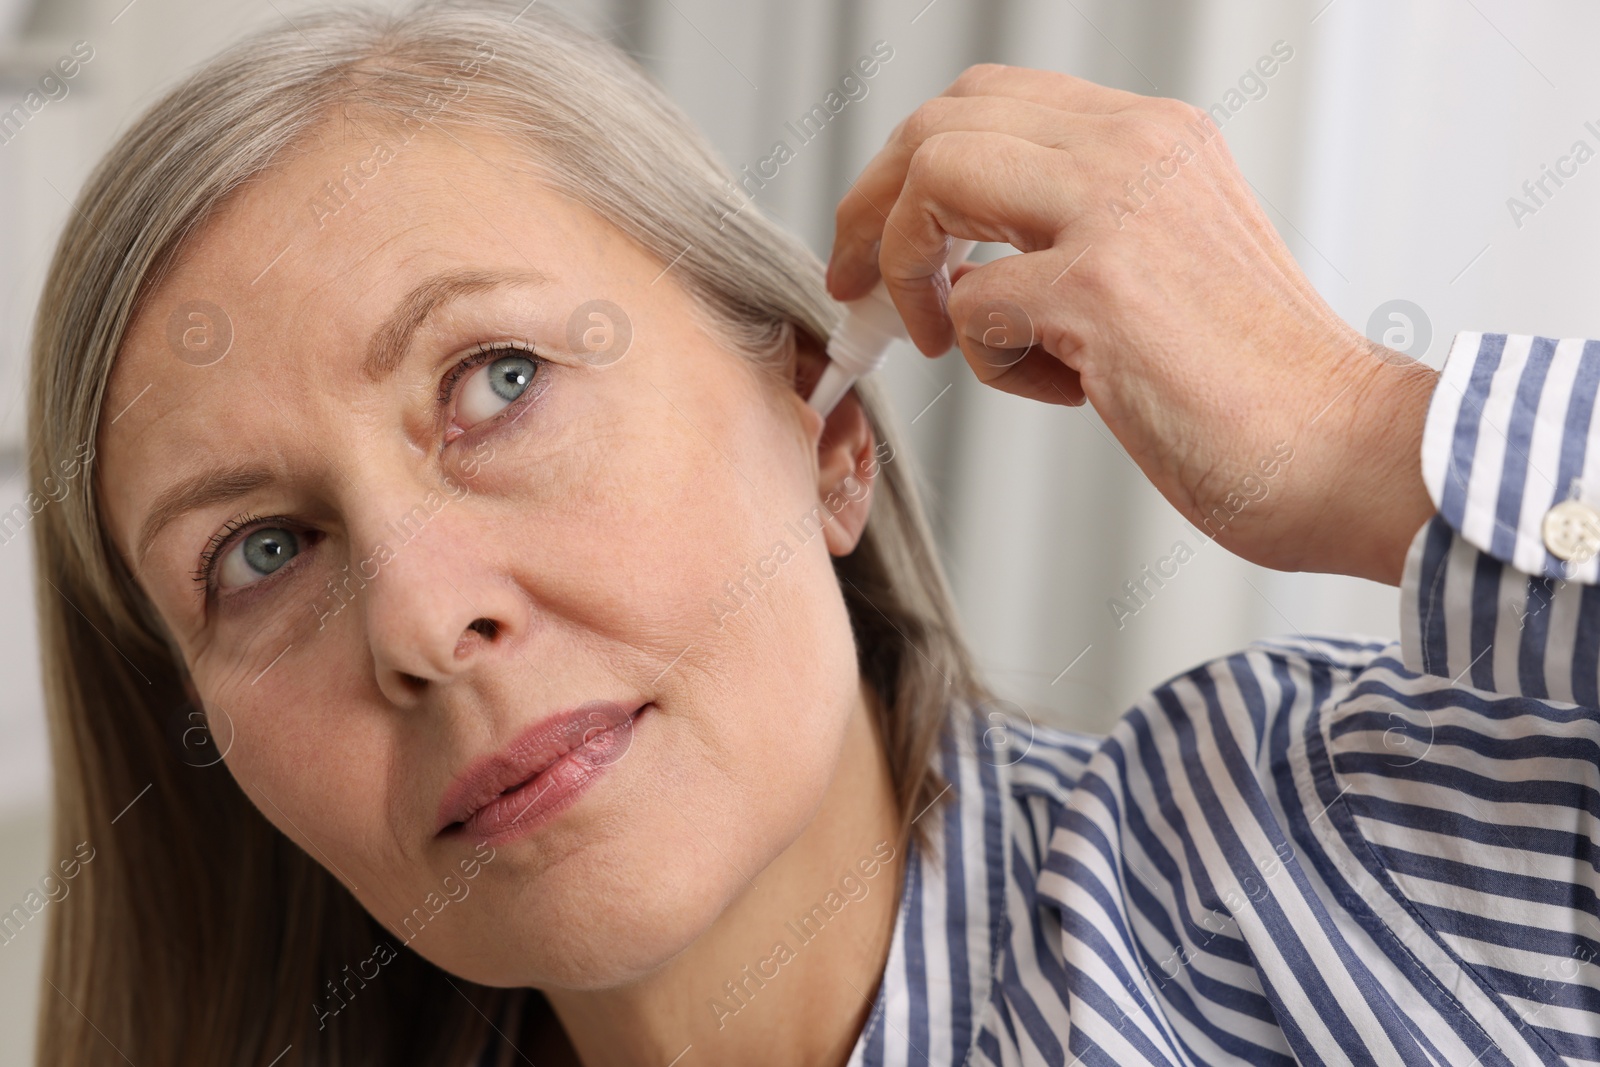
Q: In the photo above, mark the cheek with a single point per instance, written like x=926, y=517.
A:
x=317, y=768
x=670, y=525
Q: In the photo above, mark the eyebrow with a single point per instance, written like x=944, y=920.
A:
x=392, y=339
x=388, y=347
x=202, y=490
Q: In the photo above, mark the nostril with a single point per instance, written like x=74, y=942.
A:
x=412, y=682
x=487, y=627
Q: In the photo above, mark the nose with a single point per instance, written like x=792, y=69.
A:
x=436, y=605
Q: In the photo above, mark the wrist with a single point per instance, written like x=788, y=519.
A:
x=1378, y=499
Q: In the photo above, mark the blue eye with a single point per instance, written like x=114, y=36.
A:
x=493, y=387
x=256, y=555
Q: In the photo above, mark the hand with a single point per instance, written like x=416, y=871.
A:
x=1151, y=284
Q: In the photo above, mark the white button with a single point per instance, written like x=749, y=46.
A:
x=1572, y=531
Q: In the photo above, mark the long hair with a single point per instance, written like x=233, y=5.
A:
x=197, y=933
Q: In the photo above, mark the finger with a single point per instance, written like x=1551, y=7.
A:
x=1048, y=87
x=859, y=219
x=1007, y=344
x=980, y=186
x=1037, y=375
x=1002, y=341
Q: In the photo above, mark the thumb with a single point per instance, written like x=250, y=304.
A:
x=1037, y=376
x=1000, y=337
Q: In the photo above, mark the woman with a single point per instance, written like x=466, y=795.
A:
x=475, y=606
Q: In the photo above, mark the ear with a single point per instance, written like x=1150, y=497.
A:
x=847, y=460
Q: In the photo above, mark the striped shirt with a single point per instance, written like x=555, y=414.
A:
x=1320, y=850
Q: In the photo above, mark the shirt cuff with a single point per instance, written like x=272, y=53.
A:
x=1499, y=591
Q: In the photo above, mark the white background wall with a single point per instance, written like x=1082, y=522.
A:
x=1384, y=151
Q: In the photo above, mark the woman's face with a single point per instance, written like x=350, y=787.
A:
x=417, y=541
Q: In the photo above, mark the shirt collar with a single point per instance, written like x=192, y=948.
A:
x=952, y=923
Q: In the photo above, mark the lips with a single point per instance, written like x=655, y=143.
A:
x=540, y=772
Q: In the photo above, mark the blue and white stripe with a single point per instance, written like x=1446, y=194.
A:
x=1508, y=436
x=1301, y=853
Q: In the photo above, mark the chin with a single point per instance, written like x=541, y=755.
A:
x=632, y=888
x=589, y=933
